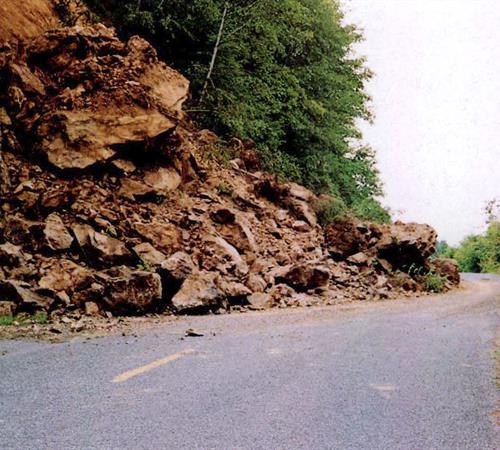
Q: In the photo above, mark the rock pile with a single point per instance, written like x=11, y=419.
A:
x=112, y=202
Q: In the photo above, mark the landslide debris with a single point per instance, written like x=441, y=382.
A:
x=112, y=202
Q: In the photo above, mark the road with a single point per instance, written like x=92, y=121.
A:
x=410, y=374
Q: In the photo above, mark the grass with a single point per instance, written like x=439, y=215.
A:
x=225, y=189
x=7, y=321
x=23, y=319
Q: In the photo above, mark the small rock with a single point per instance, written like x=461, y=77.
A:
x=300, y=225
x=359, y=259
x=7, y=308
x=56, y=233
x=163, y=179
x=149, y=255
x=76, y=327
x=124, y=165
x=193, y=333
x=92, y=309
x=259, y=301
x=56, y=328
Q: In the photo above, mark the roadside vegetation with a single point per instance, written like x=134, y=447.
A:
x=478, y=253
x=281, y=73
x=23, y=319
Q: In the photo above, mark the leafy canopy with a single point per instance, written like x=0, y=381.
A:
x=477, y=253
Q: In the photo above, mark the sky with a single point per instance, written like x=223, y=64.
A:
x=436, y=100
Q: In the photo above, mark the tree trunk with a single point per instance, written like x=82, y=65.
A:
x=214, y=53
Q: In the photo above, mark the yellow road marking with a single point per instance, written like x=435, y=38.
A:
x=159, y=362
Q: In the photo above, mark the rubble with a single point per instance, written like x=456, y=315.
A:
x=109, y=205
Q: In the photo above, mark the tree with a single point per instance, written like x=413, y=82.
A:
x=281, y=72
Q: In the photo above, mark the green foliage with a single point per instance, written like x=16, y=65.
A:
x=6, y=321
x=284, y=76
x=225, y=189
x=480, y=253
x=23, y=319
x=434, y=282
x=444, y=250
x=328, y=209
x=416, y=270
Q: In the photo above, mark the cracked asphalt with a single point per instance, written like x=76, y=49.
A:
x=409, y=374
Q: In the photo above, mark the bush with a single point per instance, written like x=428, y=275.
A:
x=480, y=253
x=434, y=282
x=328, y=209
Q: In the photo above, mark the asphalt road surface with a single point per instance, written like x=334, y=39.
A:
x=415, y=374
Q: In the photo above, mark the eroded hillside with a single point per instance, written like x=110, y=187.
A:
x=114, y=203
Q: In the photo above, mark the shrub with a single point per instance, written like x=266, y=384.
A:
x=328, y=209
x=434, y=282
x=480, y=253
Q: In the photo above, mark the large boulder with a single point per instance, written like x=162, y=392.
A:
x=395, y=246
x=345, y=237
x=166, y=237
x=404, y=244
x=130, y=291
x=174, y=271
x=306, y=276
x=85, y=94
x=56, y=234
x=24, y=296
x=448, y=268
x=198, y=293
x=62, y=275
x=99, y=248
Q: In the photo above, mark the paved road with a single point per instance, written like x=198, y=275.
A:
x=394, y=375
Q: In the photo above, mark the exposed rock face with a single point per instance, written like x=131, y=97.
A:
x=26, y=19
x=76, y=125
x=114, y=212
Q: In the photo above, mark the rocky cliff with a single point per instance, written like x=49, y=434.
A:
x=112, y=202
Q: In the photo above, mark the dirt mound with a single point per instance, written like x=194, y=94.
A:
x=113, y=203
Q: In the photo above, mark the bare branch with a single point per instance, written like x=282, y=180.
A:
x=214, y=53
